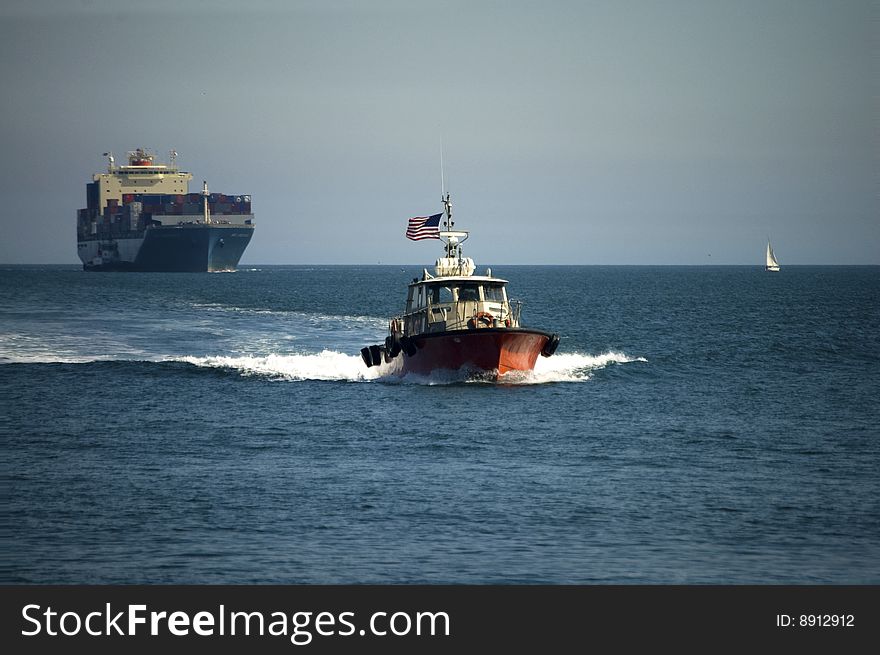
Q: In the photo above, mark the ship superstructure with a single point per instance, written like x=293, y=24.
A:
x=141, y=216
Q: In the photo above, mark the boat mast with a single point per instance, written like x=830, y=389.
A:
x=451, y=238
x=447, y=203
x=448, y=223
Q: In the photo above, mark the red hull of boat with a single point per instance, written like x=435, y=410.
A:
x=487, y=349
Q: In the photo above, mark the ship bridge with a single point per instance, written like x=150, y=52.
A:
x=141, y=175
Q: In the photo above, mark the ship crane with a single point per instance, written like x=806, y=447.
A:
x=205, y=199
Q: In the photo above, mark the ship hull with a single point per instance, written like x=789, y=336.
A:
x=489, y=350
x=192, y=248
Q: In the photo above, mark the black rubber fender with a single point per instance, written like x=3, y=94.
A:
x=392, y=346
x=407, y=345
x=376, y=355
x=367, y=356
x=551, y=346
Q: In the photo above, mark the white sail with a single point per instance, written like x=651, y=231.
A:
x=772, y=264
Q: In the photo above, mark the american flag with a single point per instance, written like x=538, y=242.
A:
x=424, y=227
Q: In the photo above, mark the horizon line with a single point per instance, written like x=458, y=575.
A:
x=422, y=265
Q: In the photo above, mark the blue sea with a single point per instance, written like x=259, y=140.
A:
x=696, y=425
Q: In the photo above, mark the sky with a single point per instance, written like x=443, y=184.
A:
x=573, y=132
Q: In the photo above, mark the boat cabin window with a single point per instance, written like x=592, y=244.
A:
x=440, y=294
x=494, y=293
x=437, y=294
x=469, y=292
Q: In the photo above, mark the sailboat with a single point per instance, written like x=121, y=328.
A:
x=772, y=264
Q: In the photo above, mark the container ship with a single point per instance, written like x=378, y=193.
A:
x=142, y=217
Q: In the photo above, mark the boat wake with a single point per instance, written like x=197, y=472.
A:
x=337, y=366
x=326, y=365
x=332, y=365
x=574, y=367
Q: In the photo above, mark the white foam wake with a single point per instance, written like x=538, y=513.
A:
x=568, y=367
x=332, y=365
x=326, y=365
x=575, y=367
x=338, y=366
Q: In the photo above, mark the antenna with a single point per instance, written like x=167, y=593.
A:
x=442, y=175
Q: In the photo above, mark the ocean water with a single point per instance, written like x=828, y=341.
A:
x=697, y=425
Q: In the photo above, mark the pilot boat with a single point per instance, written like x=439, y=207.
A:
x=455, y=320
